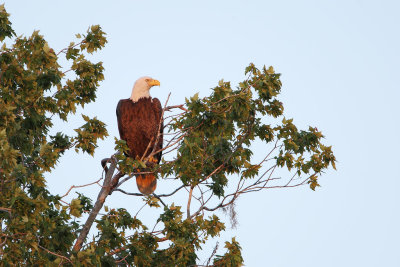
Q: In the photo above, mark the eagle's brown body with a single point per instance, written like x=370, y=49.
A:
x=138, y=124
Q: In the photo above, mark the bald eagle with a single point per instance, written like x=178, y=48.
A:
x=139, y=119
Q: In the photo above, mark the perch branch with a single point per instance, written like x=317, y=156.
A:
x=140, y=194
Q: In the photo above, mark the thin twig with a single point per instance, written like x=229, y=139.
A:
x=177, y=106
x=6, y=209
x=140, y=210
x=79, y=186
x=117, y=251
x=66, y=49
x=123, y=259
x=55, y=254
x=127, y=193
x=173, y=192
x=140, y=194
x=212, y=254
x=160, y=124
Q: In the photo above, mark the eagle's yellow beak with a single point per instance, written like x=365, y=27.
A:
x=153, y=82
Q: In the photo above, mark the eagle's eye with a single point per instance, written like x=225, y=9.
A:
x=147, y=80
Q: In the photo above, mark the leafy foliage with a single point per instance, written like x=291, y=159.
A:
x=232, y=257
x=33, y=88
x=212, y=140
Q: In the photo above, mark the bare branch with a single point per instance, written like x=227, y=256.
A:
x=5, y=209
x=177, y=106
x=79, y=186
x=123, y=181
x=140, y=194
x=127, y=193
x=168, y=146
x=159, y=129
x=105, y=190
x=55, y=254
x=117, y=251
x=212, y=254
x=140, y=210
x=189, y=201
x=64, y=50
x=123, y=259
x=176, y=190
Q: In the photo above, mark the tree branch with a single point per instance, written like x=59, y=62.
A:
x=212, y=254
x=173, y=192
x=79, y=186
x=5, y=209
x=105, y=190
x=189, y=201
x=140, y=194
x=177, y=106
x=127, y=193
x=53, y=253
x=161, y=122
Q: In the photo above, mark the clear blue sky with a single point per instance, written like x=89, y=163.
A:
x=340, y=70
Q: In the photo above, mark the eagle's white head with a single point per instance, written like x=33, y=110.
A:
x=142, y=88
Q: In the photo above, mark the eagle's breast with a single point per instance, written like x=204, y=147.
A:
x=138, y=124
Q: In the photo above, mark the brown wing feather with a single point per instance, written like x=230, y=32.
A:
x=138, y=124
x=119, y=119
